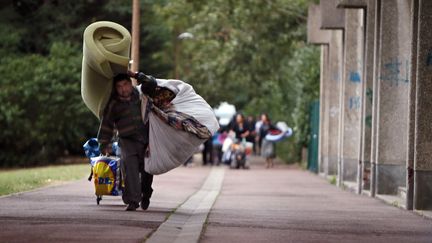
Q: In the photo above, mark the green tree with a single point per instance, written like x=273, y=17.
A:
x=41, y=111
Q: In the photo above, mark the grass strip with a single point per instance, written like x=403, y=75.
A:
x=18, y=180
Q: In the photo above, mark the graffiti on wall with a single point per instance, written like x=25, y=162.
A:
x=355, y=77
x=354, y=102
x=396, y=72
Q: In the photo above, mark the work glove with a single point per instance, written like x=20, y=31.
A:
x=148, y=82
x=141, y=77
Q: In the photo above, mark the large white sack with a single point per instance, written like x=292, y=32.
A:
x=191, y=103
x=170, y=147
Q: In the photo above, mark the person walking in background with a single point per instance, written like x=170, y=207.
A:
x=267, y=147
x=207, y=152
x=241, y=130
x=218, y=140
x=258, y=139
x=252, y=133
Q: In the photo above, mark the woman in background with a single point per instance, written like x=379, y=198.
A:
x=240, y=128
x=267, y=147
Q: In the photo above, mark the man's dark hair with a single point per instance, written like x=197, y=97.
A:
x=120, y=77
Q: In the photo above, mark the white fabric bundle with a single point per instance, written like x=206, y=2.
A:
x=170, y=147
x=285, y=132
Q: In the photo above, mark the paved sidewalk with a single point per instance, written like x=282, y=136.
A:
x=285, y=204
x=282, y=204
x=68, y=213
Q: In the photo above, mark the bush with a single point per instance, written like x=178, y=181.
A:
x=41, y=110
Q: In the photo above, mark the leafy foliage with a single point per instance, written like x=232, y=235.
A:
x=41, y=111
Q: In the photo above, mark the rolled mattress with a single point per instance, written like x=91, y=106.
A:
x=106, y=49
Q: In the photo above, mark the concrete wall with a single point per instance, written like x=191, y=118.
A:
x=375, y=80
x=393, y=95
x=334, y=19
x=364, y=176
x=376, y=107
x=335, y=81
x=423, y=127
x=315, y=35
x=331, y=17
x=412, y=109
x=330, y=79
x=323, y=148
x=321, y=37
x=352, y=93
x=352, y=3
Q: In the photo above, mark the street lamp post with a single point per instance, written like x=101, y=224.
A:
x=179, y=38
x=135, y=35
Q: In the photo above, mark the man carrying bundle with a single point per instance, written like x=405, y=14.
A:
x=166, y=115
x=123, y=113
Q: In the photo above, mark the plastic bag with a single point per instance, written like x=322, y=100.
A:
x=91, y=148
x=106, y=175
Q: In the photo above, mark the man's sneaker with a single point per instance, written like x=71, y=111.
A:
x=132, y=207
x=145, y=202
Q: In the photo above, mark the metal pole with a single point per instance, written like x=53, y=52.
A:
x=176, y=44
x=135, y=35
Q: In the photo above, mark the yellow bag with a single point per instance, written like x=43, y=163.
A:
x=107, y=176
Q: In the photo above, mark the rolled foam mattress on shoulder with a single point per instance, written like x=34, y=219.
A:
x=106, y=52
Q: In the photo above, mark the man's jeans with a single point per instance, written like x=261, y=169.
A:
x=137, y=181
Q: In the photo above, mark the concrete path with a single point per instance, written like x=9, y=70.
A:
x=282, y=204
x=286, y=204
x=68, y=213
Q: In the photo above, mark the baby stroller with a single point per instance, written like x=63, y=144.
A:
x=105, y=170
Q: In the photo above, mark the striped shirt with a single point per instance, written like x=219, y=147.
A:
x=125, y=117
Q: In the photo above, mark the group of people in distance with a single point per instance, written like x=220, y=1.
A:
x=242, y=129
